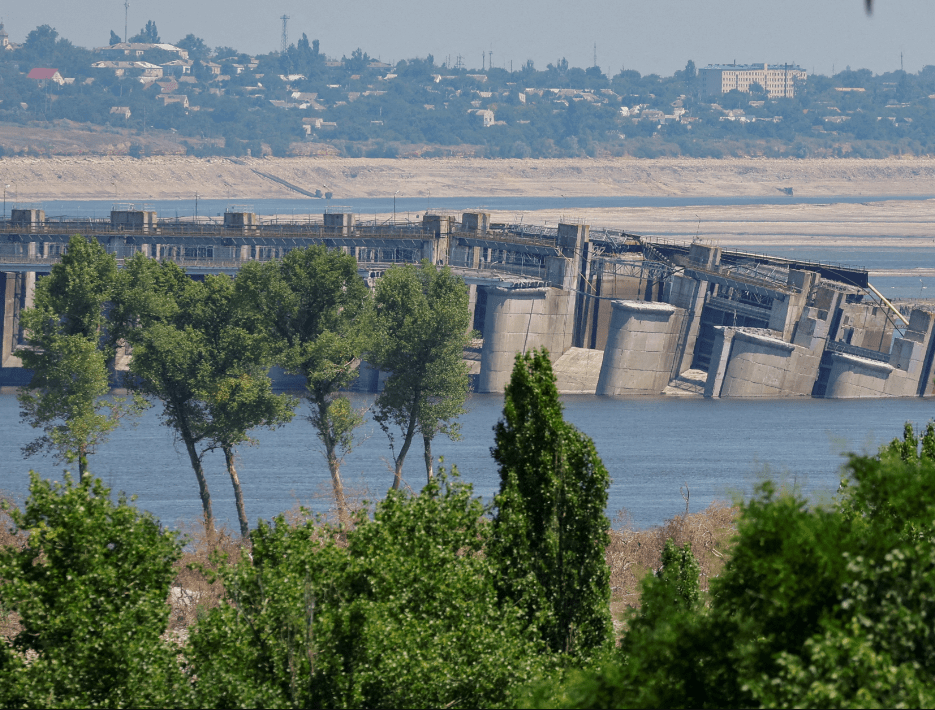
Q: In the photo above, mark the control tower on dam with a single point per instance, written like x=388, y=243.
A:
x=621, y=314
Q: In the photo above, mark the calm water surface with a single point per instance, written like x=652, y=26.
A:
x=651, y=446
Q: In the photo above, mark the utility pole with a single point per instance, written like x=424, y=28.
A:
x=285, y=32
x=483, y=58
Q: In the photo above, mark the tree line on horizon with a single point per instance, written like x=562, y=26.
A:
x=885, y=114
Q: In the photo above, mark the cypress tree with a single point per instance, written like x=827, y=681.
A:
x=550, y=530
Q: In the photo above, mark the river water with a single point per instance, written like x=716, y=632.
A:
x=651, y=446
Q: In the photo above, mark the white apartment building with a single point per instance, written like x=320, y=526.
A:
x=779, y=80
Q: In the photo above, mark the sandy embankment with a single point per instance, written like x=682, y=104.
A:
x=894, y=223
x=166, y=177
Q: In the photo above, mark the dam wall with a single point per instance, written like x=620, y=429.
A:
x=620, y=314
x=642, y=345
x=907, y=372
x=753, y=363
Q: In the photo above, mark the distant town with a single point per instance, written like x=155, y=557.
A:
x=300, y=101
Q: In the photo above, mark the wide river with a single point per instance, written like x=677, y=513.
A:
x=651, y=446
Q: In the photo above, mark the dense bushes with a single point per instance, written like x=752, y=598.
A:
x=89, y=587
x=817, y=606
x=400, y=612
x=432, y=603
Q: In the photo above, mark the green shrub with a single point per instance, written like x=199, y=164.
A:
x=398, y=612
x=819, y=606
x=90, y=588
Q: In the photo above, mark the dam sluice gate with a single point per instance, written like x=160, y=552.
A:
x=621, y=314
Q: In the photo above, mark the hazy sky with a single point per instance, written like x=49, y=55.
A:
x=646, y=35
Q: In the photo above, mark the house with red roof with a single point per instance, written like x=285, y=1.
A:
x=45, y=74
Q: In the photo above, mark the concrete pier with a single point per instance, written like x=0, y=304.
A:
x=519, y=320
x=642, y=344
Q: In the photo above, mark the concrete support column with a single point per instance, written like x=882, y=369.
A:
x=687, y=293
x=642, y=344
x=519, y=320
x=852, y=376
x=29, y=289
x=720, y=355
x=9, y=305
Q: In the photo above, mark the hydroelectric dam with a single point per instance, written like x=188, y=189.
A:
x=621, y=314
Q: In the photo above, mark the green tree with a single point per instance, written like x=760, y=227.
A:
x=818, y=606
x=233, y=380
x=911, y=447
x=197, y=48
x=195, y=349
x=90, y=587
x=550, y=531
x=114, y=38
x=167, y=354
x=148, y=35
x=41, y=41
x=68, y=353
x=401, y=611
x=421, y=328
x=314, y=307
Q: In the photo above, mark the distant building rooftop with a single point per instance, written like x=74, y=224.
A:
x=753, y=67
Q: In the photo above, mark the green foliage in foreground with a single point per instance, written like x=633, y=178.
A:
x=90, y=588
x=399, y=612
x=431, y=604
x=550, y=531
x=817, y=607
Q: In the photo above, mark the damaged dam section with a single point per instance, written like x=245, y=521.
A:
x=621, y=314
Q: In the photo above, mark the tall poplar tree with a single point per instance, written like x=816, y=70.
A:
x=550, y=530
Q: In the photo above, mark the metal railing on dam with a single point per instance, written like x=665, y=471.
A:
x=520, y=248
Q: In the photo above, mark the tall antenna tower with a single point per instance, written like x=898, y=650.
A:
x=595, y=54
x=490, y=59
x=126, y=18
x=285, y=32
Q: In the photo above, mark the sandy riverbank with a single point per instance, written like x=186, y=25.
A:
x=170, y=177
